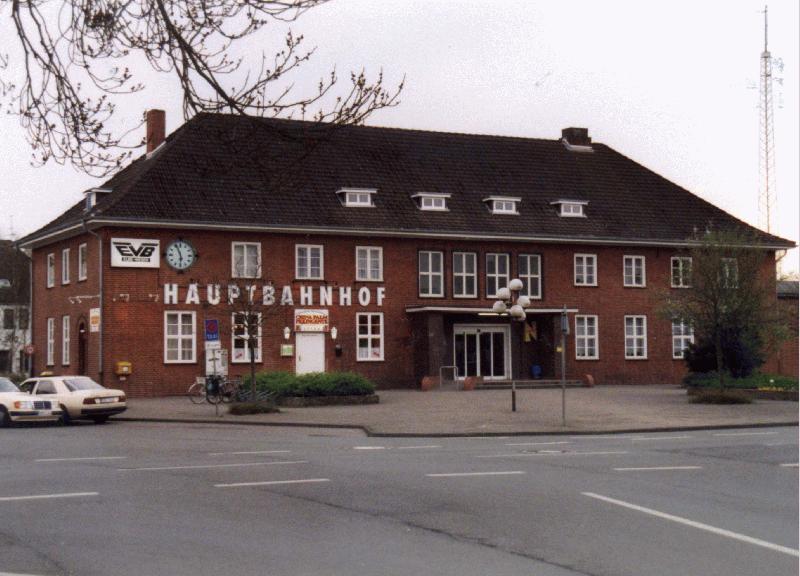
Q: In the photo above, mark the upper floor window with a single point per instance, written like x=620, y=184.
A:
x=431, y=201
x=246, y=332
x=357, y=197
x=431, y=273
x=681, y=271
x=369, y=263
x=530, y=272
x=571, y=208
x=246, y=259
x=503, y=204
x=497, y=273
x=465, y=276
x=51, y=270
x=308, y=262
x=83, y=264
x=65, y=266
x=585, y=270
x=730, y=273
x=633, y=271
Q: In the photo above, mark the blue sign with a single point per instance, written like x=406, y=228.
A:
x=212, y=330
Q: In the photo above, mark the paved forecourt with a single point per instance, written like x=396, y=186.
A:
x=134, y=498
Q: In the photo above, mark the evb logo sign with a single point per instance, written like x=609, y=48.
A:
x=135, y=253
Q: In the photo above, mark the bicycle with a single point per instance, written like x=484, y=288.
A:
x=213, y=389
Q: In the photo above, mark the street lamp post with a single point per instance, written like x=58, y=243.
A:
x=511, y=303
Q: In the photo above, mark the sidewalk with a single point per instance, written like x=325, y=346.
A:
x=444, y=413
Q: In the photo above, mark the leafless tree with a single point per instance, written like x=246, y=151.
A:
x=78, y=59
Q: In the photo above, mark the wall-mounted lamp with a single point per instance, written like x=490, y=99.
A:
x=334, y=333
x=287, y=333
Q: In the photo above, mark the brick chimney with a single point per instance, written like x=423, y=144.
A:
x=156, y=128
x=576, y=136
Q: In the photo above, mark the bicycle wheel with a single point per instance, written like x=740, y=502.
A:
x=197, y=393
x=227, y=392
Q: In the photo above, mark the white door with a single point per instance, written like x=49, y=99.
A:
x=309, y=353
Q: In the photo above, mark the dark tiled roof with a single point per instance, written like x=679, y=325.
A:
x=14, y=268
x=224, y=169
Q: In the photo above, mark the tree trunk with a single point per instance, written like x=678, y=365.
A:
x=718, y=350
x=252, y=369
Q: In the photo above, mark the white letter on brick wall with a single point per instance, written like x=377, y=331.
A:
x=233, y=293
x=192, y=295
x=326, y=295
x=251, y=292
x=381, y=292
x=213, y=294
x=306, y=296
x=345, y=296
x=170, y=293
x=364, y=296
x=269, y=295
x=286, y=296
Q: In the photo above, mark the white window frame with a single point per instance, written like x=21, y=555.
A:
x=357, y=197
x=245, y=339
x=528, y=278
x=585, y=258
x=504, y=206
x=244, y=272
x=369, y=337
x=638, y=340
x=181, y=337
x=430, y=273
x=51, y=270
x=683, y=338
x=65, y=338
x=684, y=271
x=464, y=274
x=629, y=281
x=433, y=203
x=497, y=275
x=572, y=210
x=367, y=276
x=83, y=263
x=65, y=266
x=585, y=338
x=51, y=341
x=308, y=248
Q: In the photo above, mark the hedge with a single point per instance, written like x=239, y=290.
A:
x=754, y=381
x=312, y=384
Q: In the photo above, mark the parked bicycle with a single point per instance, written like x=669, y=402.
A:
x=213, y=389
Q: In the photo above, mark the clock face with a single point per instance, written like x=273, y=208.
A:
x=180, y=254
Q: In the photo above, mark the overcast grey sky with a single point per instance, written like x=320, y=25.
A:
x=672, y=85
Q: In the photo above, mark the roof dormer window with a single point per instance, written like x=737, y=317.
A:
x=432, y=201
x=503, y=204
x=571, y=208
x=92, y=196
x=356, y=197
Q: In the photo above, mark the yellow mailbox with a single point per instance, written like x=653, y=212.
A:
x=123, y=368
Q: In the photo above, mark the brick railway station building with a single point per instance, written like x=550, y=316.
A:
x=367, y=249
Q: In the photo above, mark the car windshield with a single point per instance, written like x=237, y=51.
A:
x=81, y=383
x=7, y=385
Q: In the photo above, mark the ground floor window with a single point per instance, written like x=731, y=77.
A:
x=51, y=341
x=180, y=338
x=586, y=338
x=481, y=351
x=65, y=340
x=370, y=337
x=636, y=337
x=242, y=325
x=682, y=336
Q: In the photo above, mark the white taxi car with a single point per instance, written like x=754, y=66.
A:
x=77, y=396
x=18, y=407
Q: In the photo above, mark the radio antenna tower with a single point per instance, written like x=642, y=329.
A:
x=766, y=142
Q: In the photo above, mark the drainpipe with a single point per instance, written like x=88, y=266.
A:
x=100, y=292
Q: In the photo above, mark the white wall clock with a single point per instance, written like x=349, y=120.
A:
x=180, y=254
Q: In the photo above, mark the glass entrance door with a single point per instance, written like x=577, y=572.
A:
x=481, y=351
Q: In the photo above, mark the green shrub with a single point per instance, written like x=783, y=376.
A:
x=711, y=380
x=243, y=408
x=312, y=384
x=717, y=396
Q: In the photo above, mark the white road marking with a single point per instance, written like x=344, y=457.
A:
x=537, y=443
x=249, y=453
x=272, y=483
x=554, y=453
x=47, y=496
x=643, y=469
x=15, y=574
x=699, y=525
x=780, y=444
x=790, y=465
x=601, y=437
x=80, y=459
x=454, y=474
x=369, y=448
x=745, y=434
x=199, y=466
x=430, y=446
x=647, y=438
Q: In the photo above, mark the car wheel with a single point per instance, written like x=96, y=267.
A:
x=65, y=420
x=100, y=419
x=5, y=419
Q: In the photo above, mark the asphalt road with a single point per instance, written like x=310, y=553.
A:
x=174, y=499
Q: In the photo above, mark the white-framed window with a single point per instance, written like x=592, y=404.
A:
x=308, y=262
x=369, y=337
x=682, y=336
x=356, y=197
x=431, y=201
x=569, y=209
x=369, y=263
x=636, y=337
x=681, y=271
x=246, y=259
x=497, y=273
x=585, y=269
x=180, y=337
x=529, y=268
x=633, y=273
x=465, y=275
x=730, y=273
x=65, y=340
x=83, y=264
x=240, y=343
x=51, y=341
x=586, y=341
x=502, y=204
x=51, y=270
x=431, y=274
x=65, y=266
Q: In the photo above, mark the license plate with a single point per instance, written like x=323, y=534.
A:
x=107, y=400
